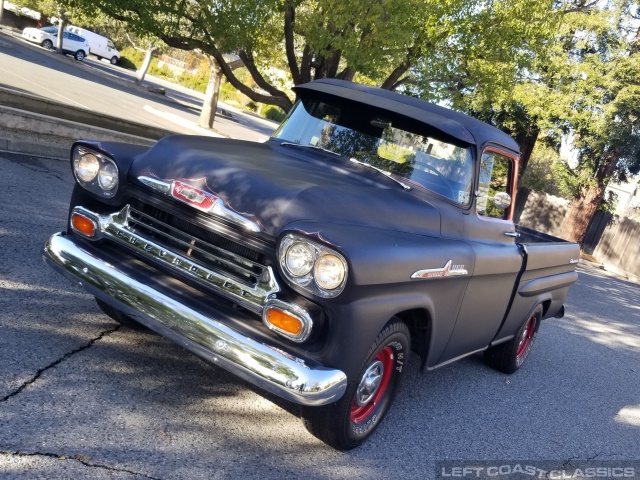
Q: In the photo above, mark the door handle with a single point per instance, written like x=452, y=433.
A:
x=512, y=234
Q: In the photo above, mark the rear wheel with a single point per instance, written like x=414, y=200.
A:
x=509, y=356
x=352, y=419
x=79, y=55
x=120, y=317
x=48, y=44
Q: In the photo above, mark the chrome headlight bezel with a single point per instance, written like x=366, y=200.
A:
x=106, y=167
x=308, y=281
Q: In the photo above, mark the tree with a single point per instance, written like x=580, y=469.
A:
x=592, y=92
x=379, y=42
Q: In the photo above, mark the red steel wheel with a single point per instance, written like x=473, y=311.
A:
x=509, y=356
x=526, y=339
x=372, y=387
x=370, y=392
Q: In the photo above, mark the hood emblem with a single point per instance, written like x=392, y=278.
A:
x=448, y=270
x=199, y=199
x=193, y=196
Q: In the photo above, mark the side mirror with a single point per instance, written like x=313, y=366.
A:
x=501, y=200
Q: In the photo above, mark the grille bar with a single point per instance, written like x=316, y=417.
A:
x=141, y=221
x=249, y=285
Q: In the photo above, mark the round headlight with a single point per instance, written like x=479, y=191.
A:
x=87, y=167
x=108, y=176
x=329, y=272
x=299, y=259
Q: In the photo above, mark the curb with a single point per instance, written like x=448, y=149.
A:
x=22, y=147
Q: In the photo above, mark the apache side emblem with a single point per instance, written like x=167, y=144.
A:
x=447, y=271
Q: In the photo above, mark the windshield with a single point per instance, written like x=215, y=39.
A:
x=384, y=142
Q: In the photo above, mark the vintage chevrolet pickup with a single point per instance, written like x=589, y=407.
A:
x=370, y=225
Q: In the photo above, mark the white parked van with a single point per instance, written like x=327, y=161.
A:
x=100, y=46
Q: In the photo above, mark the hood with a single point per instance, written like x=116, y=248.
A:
x=275, y=185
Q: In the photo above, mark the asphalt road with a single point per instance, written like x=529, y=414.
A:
x=101, y=87
x=81, y=397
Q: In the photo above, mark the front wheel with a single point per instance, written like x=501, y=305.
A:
x=48, y=44
x=79, y=55
x=120, y=317
x=114, y=60
x=509, y=356
x=352, y=419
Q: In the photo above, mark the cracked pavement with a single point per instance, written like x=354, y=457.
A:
x=81, y=397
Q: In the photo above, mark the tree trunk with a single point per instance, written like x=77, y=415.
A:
x=580, y=214
x=1, y=10
x=208, y=114
x=61, y=26
x=142, y=72
x=526, y=143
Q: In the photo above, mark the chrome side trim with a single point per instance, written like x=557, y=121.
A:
x=447, y=271
x=116, y=228
x=199, y=199
x=267, y=367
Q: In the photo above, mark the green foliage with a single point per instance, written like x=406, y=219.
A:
x=273, y=113
x=131, y=58
x=542, y=174
x=196, y=82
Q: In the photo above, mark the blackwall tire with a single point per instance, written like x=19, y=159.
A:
x=121, y=318
x=114, y=60
x=79, y=55
x=347, y=423
x=509, y=356
x=48, y=44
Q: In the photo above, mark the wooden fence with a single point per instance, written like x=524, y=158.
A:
x=612, y=239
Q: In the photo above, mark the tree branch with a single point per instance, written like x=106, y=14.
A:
x=249, y=62
x=289, y=24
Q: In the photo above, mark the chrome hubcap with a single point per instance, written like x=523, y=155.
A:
x=369, y=383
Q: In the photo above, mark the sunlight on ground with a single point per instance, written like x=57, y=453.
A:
x=629, y=415
x=26, y=287
x=612, y=334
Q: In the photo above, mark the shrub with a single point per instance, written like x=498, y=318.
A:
x=131, y=58
x=273, y=113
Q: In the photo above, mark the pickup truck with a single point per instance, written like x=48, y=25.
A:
x=370, y=228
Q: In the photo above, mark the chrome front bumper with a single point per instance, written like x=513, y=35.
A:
x=266, y=367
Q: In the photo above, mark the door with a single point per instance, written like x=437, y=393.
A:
x=490, y=232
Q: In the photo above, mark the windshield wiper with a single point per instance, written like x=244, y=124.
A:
x=315, y=147
x=384, y=172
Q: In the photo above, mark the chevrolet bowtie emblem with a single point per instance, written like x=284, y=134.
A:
x=199, y=199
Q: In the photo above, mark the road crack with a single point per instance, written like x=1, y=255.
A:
x=77, y=458
x=39, y=373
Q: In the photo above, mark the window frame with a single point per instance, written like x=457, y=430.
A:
x=513, y=182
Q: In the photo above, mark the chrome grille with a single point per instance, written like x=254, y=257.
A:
x=243, y=281
x=199, y=251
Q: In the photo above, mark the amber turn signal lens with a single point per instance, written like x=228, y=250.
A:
x=83, y=225
x=284, y=321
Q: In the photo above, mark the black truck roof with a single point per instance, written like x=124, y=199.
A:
x=456, y=124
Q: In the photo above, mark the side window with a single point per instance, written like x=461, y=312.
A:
x=495, y=177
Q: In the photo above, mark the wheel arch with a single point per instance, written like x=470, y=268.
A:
x=419, y=322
